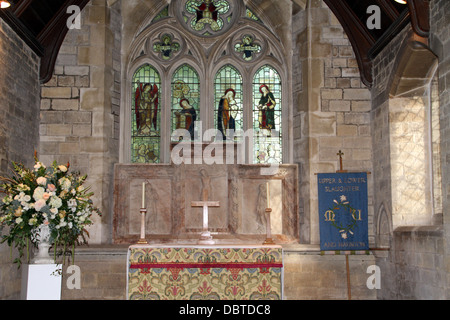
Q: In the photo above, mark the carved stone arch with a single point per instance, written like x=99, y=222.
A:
x=414, y=67
x=142, y=61
x=384, y=228
x=139, y=49
x=271, y=49
x=227, y=60
x=259, y=11
x=152, y=12
x=274, y=63
x=192, y=62
x=413, y=147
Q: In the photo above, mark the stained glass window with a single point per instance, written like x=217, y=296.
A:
x=267, y=102
x=228, y=113
x=248, y=48
x=146, y=119
x=163, y=14
x=251, y=15
x=208, y=16
x=185, y=99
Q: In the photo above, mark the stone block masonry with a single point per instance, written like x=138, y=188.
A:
x=80, y=104
x=332, y=108
x=19, y=127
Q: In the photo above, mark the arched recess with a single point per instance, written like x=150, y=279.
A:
x=384, y=228
x=414, y=137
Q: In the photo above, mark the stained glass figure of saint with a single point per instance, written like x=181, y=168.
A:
x=186, y=117
x=227, y=112
x=185, y=100
x=146, y=107
x=267, y=116
x=266, y=108
x=146, y=110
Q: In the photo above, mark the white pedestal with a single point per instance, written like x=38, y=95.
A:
x=41, y=282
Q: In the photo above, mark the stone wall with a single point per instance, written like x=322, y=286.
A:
x=80, y=106
x=415, y=266
x=103, y=274
x=331, y=109
x=19, y=127
x=413, y=269
x=440, y=44
x=309, y=275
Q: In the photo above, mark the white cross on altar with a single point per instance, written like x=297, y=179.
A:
x=205, y=237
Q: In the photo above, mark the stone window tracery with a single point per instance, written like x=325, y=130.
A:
x=228, y=81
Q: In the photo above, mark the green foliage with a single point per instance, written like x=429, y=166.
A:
x=44, y=195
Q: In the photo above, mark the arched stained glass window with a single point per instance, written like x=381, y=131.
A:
x=185, y=99
x=267, y=122
x=228, y=113
x=146, y=119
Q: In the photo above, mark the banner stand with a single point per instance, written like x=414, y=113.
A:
x=343, y=213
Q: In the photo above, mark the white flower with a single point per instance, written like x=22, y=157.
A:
x=41, y=181
x=72, y=203
x=38, y=193
x=39, y=204
x=65, y=183
x=61, y=224
x=55, y=202
x=62, y=168
x=343, y=198
x=26, y=198
x=25, y=205
x=344, y=235
x=19, y=220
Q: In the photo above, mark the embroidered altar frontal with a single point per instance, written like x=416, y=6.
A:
x=205, y=273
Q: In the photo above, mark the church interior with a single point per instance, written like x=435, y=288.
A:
x=315, y=86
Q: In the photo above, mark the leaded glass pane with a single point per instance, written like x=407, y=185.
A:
x=207, y=15
x=251, y=15
x=146, y=116
x=163, y=14
x=267, y=102
x=185, y=100
x=229, y=112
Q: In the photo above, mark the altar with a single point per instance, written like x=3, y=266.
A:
x=194, y=272
x=170, y=190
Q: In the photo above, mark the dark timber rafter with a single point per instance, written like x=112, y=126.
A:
x=42, y=25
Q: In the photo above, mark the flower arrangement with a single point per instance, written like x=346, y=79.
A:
x=45, y=196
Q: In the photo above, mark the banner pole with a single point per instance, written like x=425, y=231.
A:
x=349, y=289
